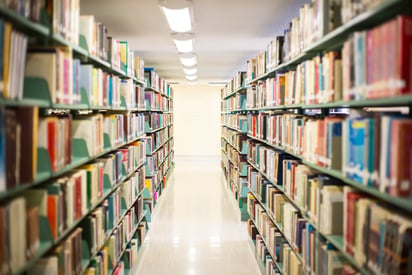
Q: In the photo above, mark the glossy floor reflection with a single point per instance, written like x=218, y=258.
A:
x=195, y=228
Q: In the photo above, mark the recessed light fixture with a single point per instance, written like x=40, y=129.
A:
x=179, y=19
x=188, y=59
x=217, y=83
x=191, y=77
x=190, y=71
x=184, y=42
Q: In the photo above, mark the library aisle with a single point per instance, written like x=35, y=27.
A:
x=195, y=228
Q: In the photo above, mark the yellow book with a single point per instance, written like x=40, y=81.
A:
x=106, y=260
x=95, y=88
x=7, y=41
x=148, y=184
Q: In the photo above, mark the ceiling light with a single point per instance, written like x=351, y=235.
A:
x=178, y=19
x=184, y=42
x=192, y=82
x=184, y=46
x=188, y=60
x=218, y=84
x=190, y=71
x=191, y=77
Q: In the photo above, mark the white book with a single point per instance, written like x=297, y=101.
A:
x=43, y=65
x=17, y=229
x=86, y=81
x=47, y=265
x=86, y=28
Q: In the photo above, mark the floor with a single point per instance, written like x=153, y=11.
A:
x=196, y=228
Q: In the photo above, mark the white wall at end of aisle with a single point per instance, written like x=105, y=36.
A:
x=196, y=120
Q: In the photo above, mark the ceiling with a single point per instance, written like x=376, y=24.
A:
x=228, y=32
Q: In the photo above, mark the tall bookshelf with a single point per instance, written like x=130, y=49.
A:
x=327, y=164
x=233, y=142
x=159, y=131
x=73, y=155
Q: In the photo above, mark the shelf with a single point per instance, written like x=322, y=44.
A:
x=240, y=152
x=22, y=23
x=401, y=203
x=154, y=151
x=279, y=227
x=264, y=240
x=45, y=247
x=45, y=176
x=334, y=39
x=86, y=264
x=404, y=100
x=336, y=241
x=160, y=164
x=234, y=93
x=235, y=129
x=156, y=130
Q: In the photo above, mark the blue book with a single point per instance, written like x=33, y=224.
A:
x=358, y=144
x=110, y=103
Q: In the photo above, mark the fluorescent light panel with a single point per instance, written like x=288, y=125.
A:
x=184, y=46
x=190, y=71
x=188, y=61
x=191, y=77
x=178, y=19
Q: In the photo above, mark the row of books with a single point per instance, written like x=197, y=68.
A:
x=100, y=264
x=133, y=125
x=236, y=102
x=155, y=121
x=366, y=147
x=350, y=75
x=315, y=81
x=155, y=160
x=362, y=54
x=28, y=9
x=155, y=101
x=315, y=20
x=155, y=82
x=261, y=250
x=157, y=139
x=62, y=203
x=158, y=176
x=237, y=82
x=300, y=34
x=12, y=66
x=233, y=155
x=108, y=48
x=235, y=121
x=236, y=139
x=334, y=209
x=66, y=77
x=293, y=239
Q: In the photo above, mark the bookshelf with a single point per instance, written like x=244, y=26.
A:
x=159, y=129
x=313, y=136
x=233, y=143
x=85, y=139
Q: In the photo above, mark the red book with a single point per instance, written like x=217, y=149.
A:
x=52, y=143
x=404, y=53
x=77, y=197
x=400, y=158
x=351, y=198
x=52, y=214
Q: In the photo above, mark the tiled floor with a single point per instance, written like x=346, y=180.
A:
x=195, y=228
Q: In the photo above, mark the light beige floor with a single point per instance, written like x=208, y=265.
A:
x=195, y=228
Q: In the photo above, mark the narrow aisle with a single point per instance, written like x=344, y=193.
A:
x=196, y=229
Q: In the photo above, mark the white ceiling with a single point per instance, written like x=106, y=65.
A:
x=228, y=32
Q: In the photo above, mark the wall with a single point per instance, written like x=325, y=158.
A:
x=197, y=121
